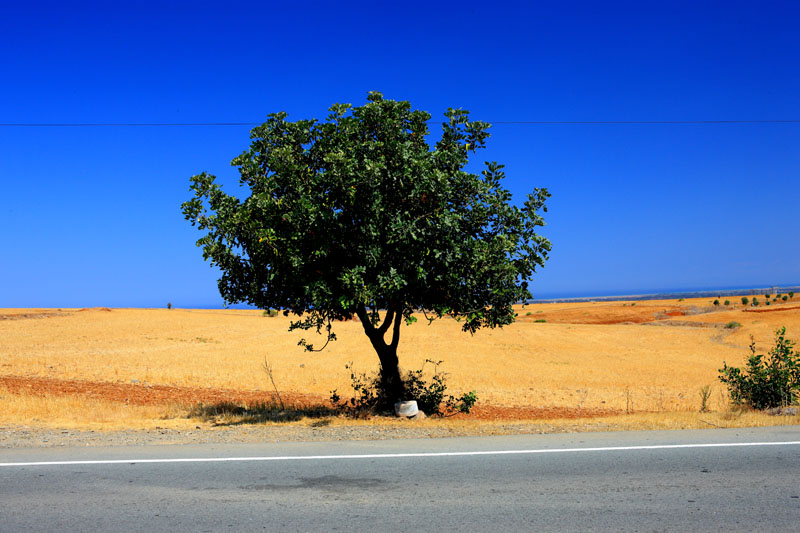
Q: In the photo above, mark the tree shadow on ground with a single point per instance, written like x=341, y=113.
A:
x=234, y=414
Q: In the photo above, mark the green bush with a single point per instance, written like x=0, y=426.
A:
x=727, y=302
x=541, y=320
x=755, y=301
x=716, y=303
x=768, y=381
x=430, y=395
x=732, y=325
x=745, y=300
x=784, y=298
x=767, y=296
x=791, y=294
x=270, y=312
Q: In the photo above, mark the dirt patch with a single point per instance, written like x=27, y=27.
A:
x=685, y=324
x=29, y=315
x=147, y=394
x=772, y=309
x=603, y=314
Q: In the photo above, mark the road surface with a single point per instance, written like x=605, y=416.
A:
x=731, y=480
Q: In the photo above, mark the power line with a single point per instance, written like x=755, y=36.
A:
x=495, y=122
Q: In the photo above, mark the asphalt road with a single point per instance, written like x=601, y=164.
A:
x=642, y=481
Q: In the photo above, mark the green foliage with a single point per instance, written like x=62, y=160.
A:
x=540, y=320
x=784, y=298
x=732, y=325
x=745, y=300
x=791, y=294
x=769, y=303
x=358, y=215
x=169, y=305
x=270, y=312
x=716, y=303
x=767, y=296
x=727, y=302
x=430, y=394
x=768, y=381
x=755, y=301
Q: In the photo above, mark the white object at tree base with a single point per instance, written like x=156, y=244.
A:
x=406, y=408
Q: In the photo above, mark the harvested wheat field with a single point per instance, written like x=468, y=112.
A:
x=642, y=362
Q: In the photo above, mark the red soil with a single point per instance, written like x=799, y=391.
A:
x=146, y=394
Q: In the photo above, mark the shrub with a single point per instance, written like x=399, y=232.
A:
x=767, y=296
x=430, y=395
x=540, y=320
x=769, y=381
x=169, y=305
x=755, y=301
x=270, y=312
x=784, y=298
x=791, y=294
x=716, y=303
x=727, y=302
x=732, y=325
x=769, y=303
x=745, y=300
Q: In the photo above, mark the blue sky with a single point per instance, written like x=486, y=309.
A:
x=91, y=215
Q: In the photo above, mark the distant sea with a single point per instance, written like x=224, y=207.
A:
x=663, y=294
x=608, y=296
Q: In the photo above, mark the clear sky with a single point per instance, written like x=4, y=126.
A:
x=91, y=215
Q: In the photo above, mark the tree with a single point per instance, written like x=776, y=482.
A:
x=359, y=216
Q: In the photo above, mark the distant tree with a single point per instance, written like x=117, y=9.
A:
x=359, y=216
x=727, y=302
x=169, y=305
x=716, y=303
x=791, y=294
x=745, y=300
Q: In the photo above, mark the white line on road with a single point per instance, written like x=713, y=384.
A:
x=400, y=455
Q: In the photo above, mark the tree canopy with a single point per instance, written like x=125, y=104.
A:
x=358, y=216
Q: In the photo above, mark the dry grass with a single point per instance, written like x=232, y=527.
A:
x=80, y=412
x=572, y=360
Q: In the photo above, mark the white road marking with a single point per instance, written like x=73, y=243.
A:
x=399, y=455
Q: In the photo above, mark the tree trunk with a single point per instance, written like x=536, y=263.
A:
x=391, y=383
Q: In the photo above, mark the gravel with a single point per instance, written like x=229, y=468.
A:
x=33, y=437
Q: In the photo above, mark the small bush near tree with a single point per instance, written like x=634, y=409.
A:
x=771, y=380
x=745, y=300
x=369, y=398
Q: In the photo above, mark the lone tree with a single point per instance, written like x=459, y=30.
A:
x=357, y=215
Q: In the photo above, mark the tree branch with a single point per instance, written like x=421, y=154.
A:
x=398, y=319
x=387, y=320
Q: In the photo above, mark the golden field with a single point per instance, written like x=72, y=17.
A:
x=649, y=358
